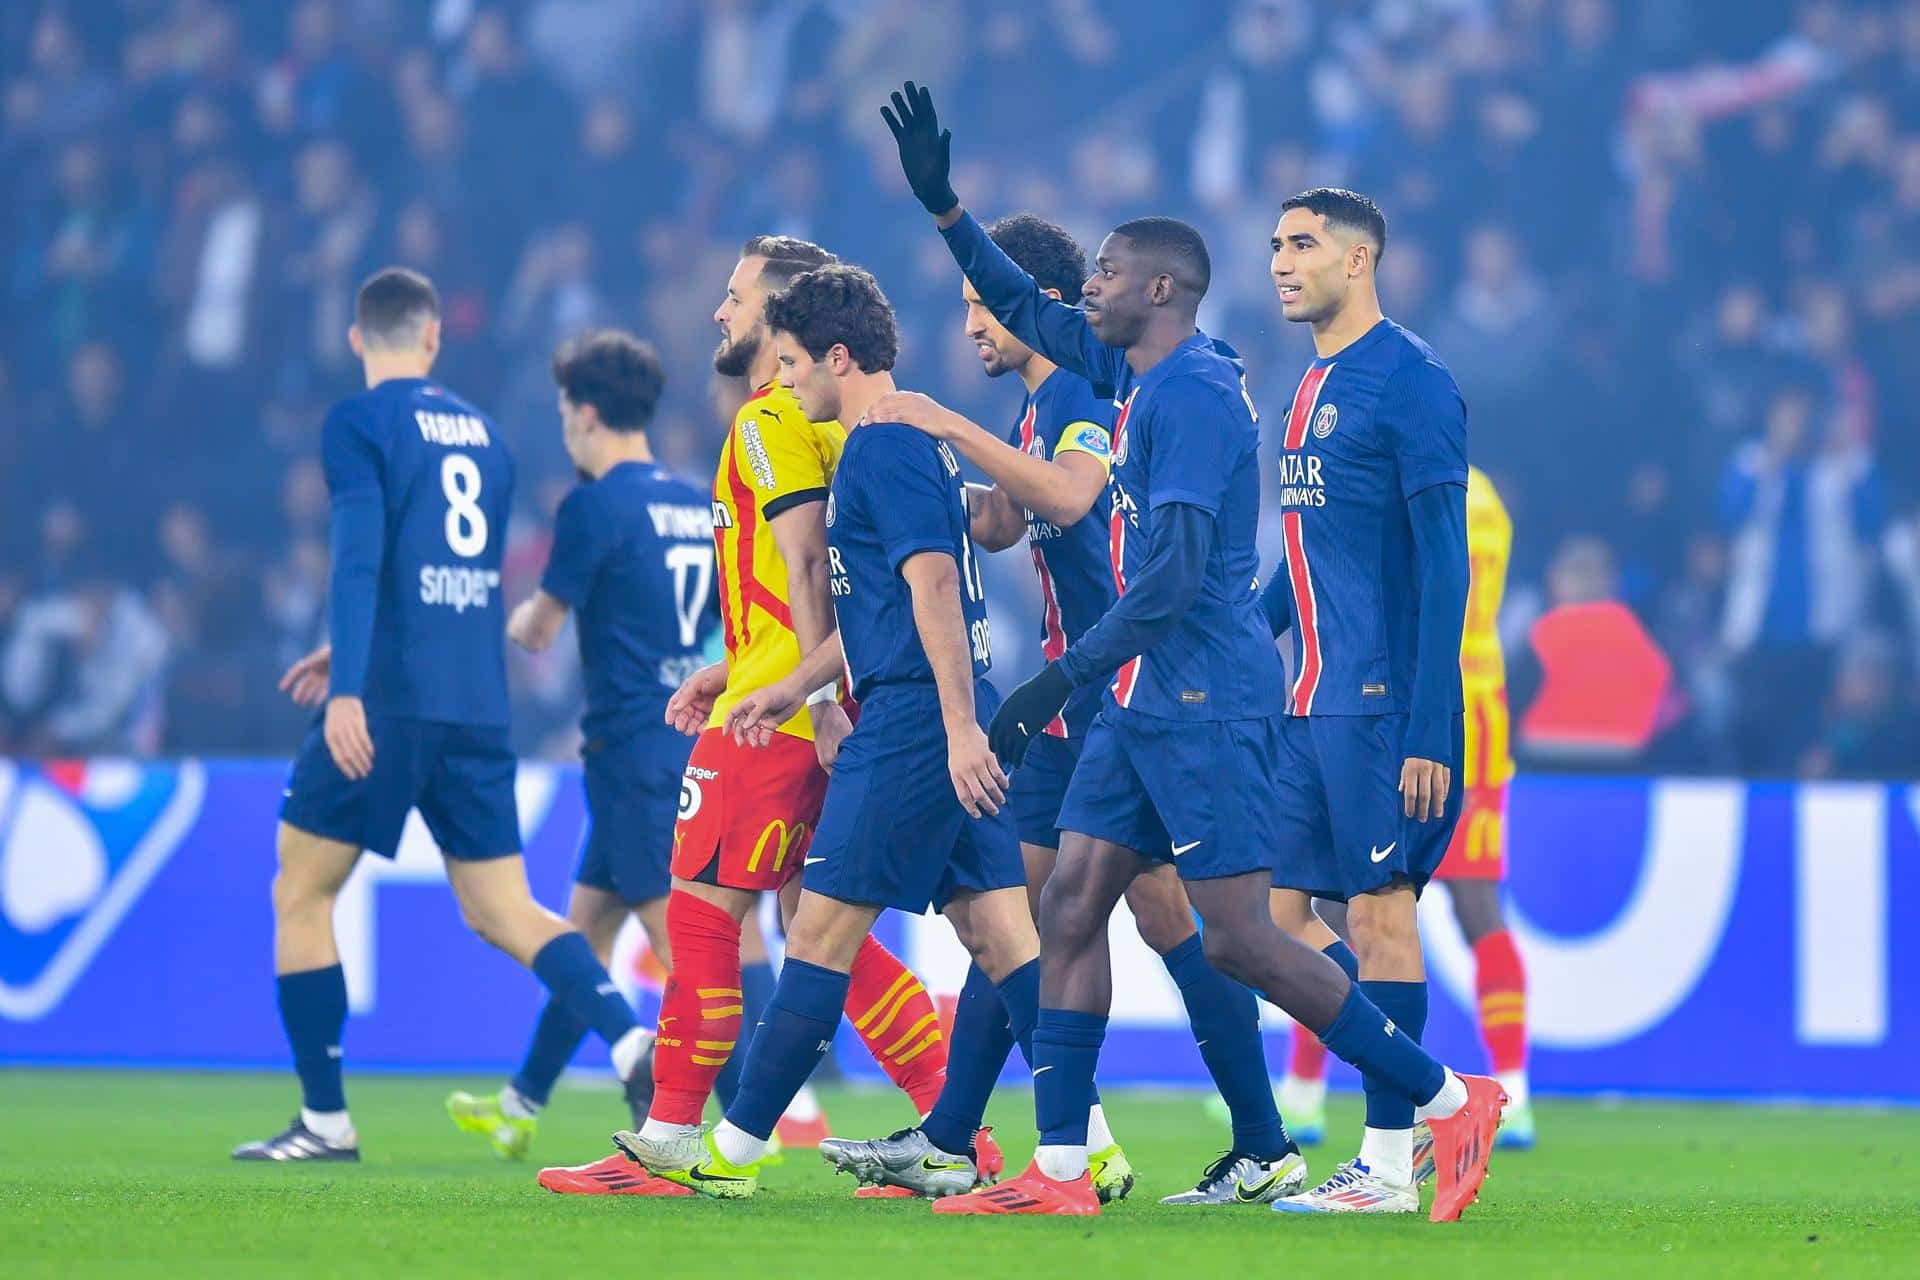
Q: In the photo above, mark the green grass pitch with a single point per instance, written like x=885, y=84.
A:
x=126, y=1174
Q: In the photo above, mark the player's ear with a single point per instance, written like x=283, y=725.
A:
x=1359, y=258
x=839, y=361
x=1160, y=290
x=1054, y=294
x=353, y=341
x=430, y=337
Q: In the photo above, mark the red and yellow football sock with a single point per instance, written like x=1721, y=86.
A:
x=895, y=1017
x=1501, y=981
x=700, y=1012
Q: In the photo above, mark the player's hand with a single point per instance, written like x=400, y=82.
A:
x=1423, y=788
x=753, y=720
x=306, y=680
x=830, y=728
x=1029, y=709
x=921, y=412
x=691, y=705
x=926, y=150
x=347, y=737
x=978, y=778
x=520, y=624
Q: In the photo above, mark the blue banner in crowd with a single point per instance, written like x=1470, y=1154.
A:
x=1681, y=936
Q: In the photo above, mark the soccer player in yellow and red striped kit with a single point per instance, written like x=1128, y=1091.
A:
x=747, y=813
x=1476, y=861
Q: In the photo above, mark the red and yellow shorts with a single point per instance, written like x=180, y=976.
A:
x=1479, y=847
x=747, y=814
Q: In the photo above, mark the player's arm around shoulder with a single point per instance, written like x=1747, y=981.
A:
x=1060, y=490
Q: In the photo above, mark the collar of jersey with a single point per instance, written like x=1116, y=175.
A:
x=1380, y=329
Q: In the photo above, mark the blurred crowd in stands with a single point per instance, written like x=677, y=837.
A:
x=1671, y=252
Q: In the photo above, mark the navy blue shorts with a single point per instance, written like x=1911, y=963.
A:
x=460, y=777
x=633, y=798
x=1343, y=828
x=892, y=831
x=1040, y=788
x=1197, y=794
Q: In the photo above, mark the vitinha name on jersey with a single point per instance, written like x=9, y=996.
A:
x=1300, y=481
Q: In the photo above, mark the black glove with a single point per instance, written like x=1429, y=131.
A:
x=1027, y=711
x=925, y=148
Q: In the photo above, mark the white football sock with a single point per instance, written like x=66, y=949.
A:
x=335, y=1127
x=1388, y=1154
x=629, y=1049
x=656, y=1130
x=804, y=1107
x=1062, y=1164
x=1301, y=1096
x=1515, y=1083
x=517, y=1104
x=1099, y=1137
x=1452, y=1097
x=736, y=1145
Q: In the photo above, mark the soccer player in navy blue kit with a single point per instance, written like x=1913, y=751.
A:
x=914, y=812
x=1373, y=497
x=632, y=561
x=1181, y=763
x=416, y=706
x=1051, y=475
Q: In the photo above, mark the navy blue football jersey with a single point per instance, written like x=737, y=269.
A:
x=445, y=481
x=1185, y=432
x=896, y=493
x=1370, y=426
x=1076, y=579
x=633, y=558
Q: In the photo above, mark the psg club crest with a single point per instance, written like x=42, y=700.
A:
x=1325, y=421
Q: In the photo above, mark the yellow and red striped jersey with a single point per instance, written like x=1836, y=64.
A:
x=1483, y=668
x=774, y=459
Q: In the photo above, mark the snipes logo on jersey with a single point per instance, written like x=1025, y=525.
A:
x=79, y=843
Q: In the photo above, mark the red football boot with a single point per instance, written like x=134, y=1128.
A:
x=1031, y=1192
x=1462, y=1143
x=615, y=1175
x=989, y=1162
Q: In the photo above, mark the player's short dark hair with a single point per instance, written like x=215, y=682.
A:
x=787, y=257
x=1346, y=209
x=392, y=305
x=1174, y=247
x=615, y=372
x=838, y=304
x=1044, y=250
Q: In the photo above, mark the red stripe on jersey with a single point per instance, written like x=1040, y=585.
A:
x=1053, y=637
x=1306, y=615
x=1305, y=397
x=1026, y=429
x=1129, y=673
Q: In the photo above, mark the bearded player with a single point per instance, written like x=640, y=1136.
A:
x=1476, y=860
x=747, y=815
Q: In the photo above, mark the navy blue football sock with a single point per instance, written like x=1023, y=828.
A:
x=577, y=980
x=1342, y=954
x=555, y=1038
x=1226, y=1025
x=1020, y=992
x=982, y=1039
x=1405, y=1003
x=795, y=1034
x=756, y=988
x=313, y=1008
x=1066, y=1050
x=1361, y=1035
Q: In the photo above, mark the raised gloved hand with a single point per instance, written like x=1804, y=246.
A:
x=925, y=148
